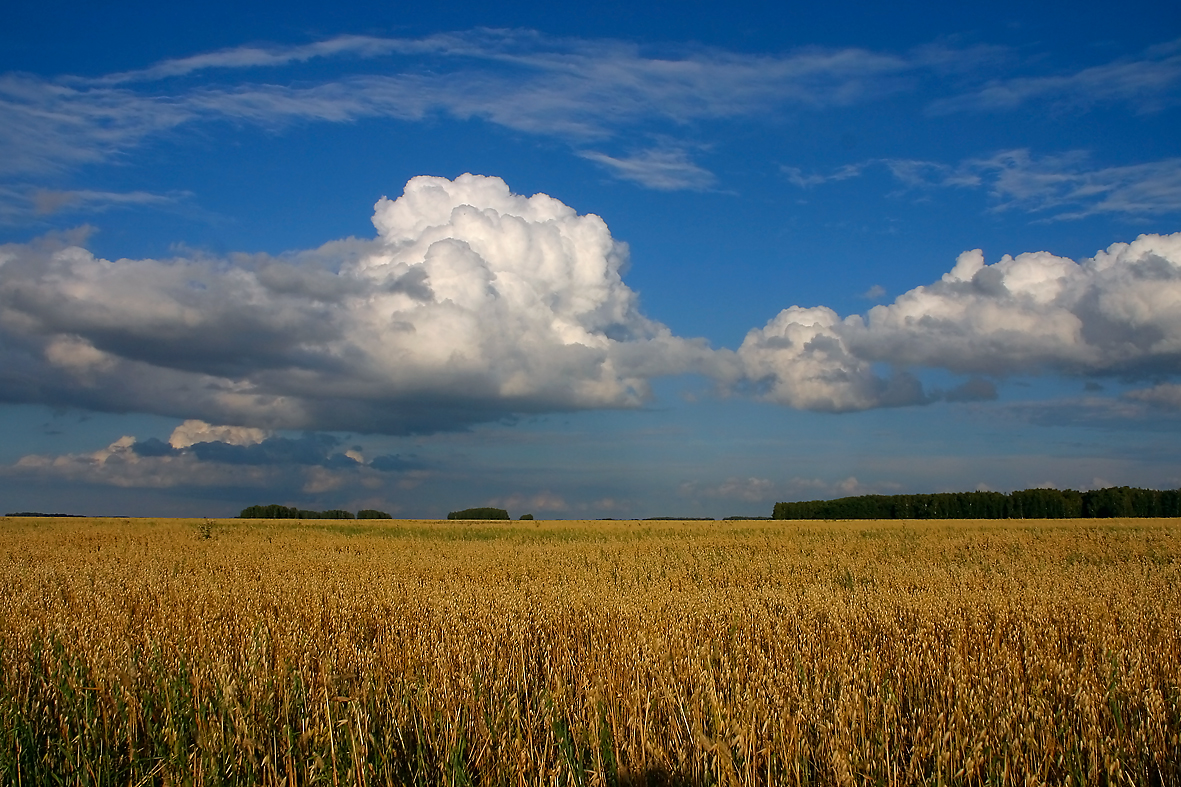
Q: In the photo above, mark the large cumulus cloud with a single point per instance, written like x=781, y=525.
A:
x=473, y=303
x=470, y=304
x=1118, y=313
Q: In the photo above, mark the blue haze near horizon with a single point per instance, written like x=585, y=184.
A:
x=837, y=157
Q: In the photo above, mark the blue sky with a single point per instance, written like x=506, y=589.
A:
x=658, y=259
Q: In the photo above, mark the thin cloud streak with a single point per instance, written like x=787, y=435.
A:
x=797, y=177
x=1148, y=83
x=1063, y=187
x=47, y=201
x=662, y=170
x=269, y=57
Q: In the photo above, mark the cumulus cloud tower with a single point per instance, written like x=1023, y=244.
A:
x=520, y=297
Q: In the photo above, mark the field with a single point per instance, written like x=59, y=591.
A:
x=770, y=652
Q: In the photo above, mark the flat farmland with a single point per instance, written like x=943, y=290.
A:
x=575, y=652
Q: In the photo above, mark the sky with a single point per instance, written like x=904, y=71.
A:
x=664, y=259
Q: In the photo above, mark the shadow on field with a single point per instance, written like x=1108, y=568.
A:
x=654, y=777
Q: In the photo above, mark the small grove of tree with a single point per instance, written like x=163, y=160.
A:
x=38, y=513
x=269, y=512
x=1120, y=501
x=526, y=516
x=479, y=513
x=284, y=512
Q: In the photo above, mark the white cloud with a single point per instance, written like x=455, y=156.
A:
x=120, y=465
x=1166, y=396
x=194, y=431
x=1117, y=313
x=750, y=490
x=471, y=304
x=529, y=503
x=802, y=359
x=763, y=490
x=200, y=455
x=663, y=170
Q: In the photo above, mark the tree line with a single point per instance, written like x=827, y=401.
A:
x=284, y=512
x=1116, y=501
x=484, y=512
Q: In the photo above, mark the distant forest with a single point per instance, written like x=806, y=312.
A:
x=283, y=512
x=1116, y=501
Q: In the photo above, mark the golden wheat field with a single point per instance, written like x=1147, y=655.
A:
x=538, y=653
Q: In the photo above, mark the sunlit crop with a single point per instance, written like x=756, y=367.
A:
x=391, y=652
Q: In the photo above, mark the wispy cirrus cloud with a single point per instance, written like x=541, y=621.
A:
x=575, y=90
x=764, y=490
x=797, y=177
x=271, y=57
x=660, y=169
x=45, y=201
x=25, y=204
x=1149, y=82
x=750, y=490
x=47, y=126
x=1061, y=187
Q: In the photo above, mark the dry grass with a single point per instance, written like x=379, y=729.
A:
x=398, y=652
